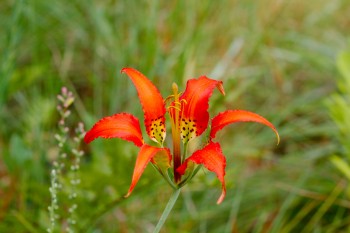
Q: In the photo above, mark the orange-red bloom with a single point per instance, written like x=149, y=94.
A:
x=189, y=119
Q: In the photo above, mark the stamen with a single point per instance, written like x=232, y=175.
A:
x=170, y=97
x=183, y=100
x=176, y=102
x=174, y=108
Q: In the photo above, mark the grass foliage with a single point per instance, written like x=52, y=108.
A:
x=276, y=57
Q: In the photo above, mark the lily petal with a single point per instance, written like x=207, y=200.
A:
x=152, y=104
x=233, y=116
x=145, y=155
x=212, y=158
x=122, y=125
x=195, y=106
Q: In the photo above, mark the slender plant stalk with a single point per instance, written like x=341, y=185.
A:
x=167, y=210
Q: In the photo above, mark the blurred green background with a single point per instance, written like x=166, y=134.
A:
x=287, y=60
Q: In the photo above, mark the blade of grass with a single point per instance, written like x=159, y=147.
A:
x=325, y=206
x=299, y=216
x=27, y=225
x=277, y=223
x=232, y=219
x=167, y=210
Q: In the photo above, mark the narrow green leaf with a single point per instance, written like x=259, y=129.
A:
x=341, y=165
x=343, y=63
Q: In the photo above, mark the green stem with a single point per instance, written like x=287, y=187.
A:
x=167, y=210
x=184, y=152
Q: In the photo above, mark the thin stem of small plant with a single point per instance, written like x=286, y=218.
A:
x=167, y=210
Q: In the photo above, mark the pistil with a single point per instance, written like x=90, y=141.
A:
x=176, y=108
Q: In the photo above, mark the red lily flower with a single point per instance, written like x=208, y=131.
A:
x=189, y=119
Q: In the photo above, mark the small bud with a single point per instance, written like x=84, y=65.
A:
x=58, y=137
x=66, y=114
x=64, y=91
x=60, y=98
x=68, y=101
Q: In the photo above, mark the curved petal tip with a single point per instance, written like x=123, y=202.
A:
x=233, y=116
